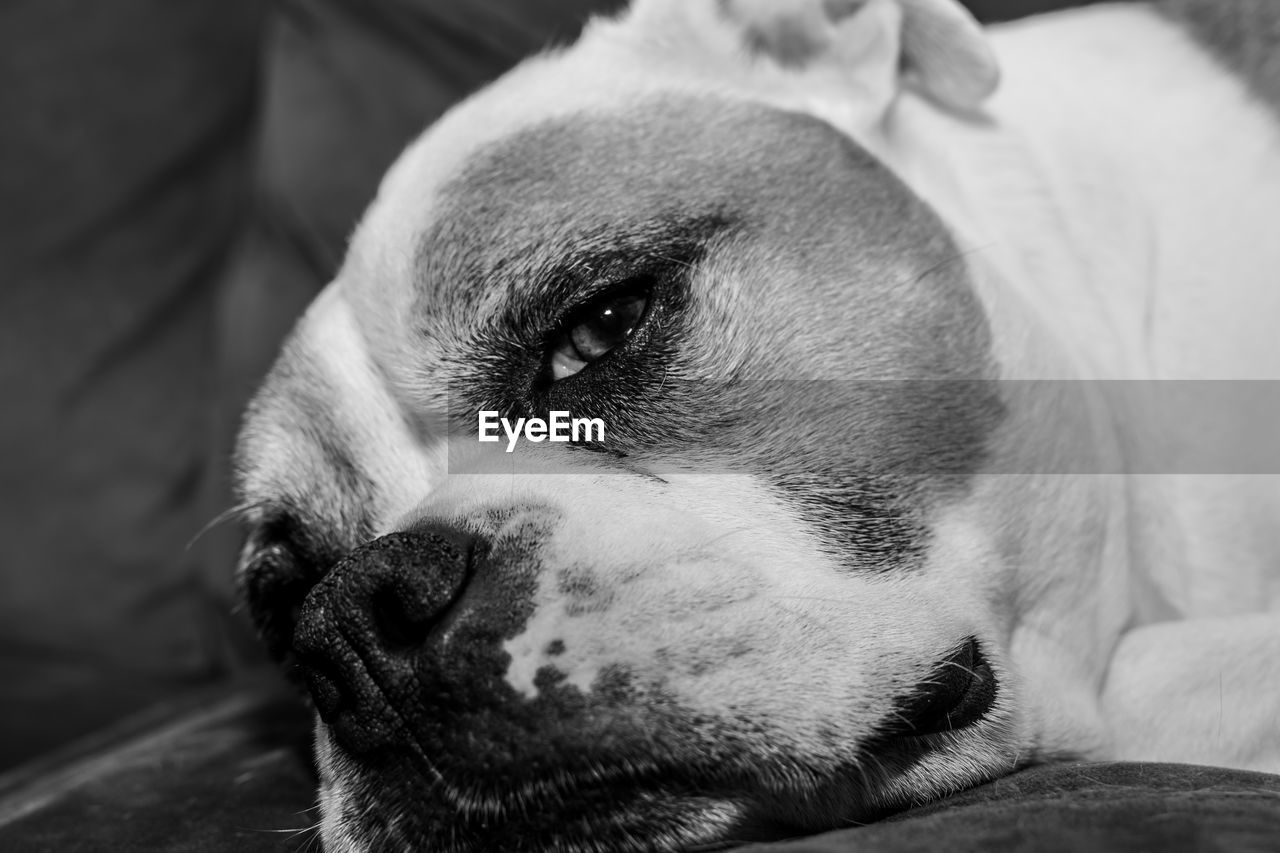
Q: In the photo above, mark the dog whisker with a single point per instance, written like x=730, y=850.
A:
x=943, y=264
x=297, y=831
x=905, y=720
x=237, y=512
x=824, y=599
x=720, y=538
x=679, y=262
x=962, y=668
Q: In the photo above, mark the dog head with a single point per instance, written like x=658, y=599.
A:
x=758, y=605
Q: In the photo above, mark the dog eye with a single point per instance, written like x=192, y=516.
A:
x=598, y=328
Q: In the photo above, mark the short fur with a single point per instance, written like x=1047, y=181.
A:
x=860, y=533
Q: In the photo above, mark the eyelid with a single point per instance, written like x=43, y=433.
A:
x=557, y=366
x=596, y=296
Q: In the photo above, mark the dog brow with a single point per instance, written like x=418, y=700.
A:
x=561, y=201
x=591, y=262
x=530, y=279
x=511, y=316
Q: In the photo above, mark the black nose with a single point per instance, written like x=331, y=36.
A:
x=363, y=625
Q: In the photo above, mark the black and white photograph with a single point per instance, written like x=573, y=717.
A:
x=639, y=426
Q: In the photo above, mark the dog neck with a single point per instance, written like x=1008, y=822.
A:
x=1060, y=197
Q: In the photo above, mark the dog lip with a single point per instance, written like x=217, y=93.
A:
x=600, y=784
x=959, y=692
x=574, y=813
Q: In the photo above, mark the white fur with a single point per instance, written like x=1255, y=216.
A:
x=1119, y=209
x=1118, y=200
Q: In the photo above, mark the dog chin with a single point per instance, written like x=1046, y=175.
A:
x=625, y=814
x=638, y=809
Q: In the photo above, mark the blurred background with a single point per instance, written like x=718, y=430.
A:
x=177, y=180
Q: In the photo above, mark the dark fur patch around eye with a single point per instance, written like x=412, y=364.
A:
x=827, y=259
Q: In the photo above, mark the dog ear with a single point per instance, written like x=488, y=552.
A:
x=935, y=46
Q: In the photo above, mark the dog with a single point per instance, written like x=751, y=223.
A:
x=872, y=306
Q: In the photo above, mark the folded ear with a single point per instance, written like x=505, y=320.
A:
x=935, y=46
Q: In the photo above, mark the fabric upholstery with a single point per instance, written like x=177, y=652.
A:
x=178, y=181
x=124, y=174
x=230, y=771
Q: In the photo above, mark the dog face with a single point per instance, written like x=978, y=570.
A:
x=759, y=605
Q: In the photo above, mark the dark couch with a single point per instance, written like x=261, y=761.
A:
x=228, y=769
x=178, y=180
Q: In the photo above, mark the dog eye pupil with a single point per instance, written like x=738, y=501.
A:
x=608, y=326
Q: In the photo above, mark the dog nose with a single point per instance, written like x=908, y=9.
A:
x=363, y=625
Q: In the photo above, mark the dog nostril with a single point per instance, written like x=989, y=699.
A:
x=324, y=693
x=398, y=627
